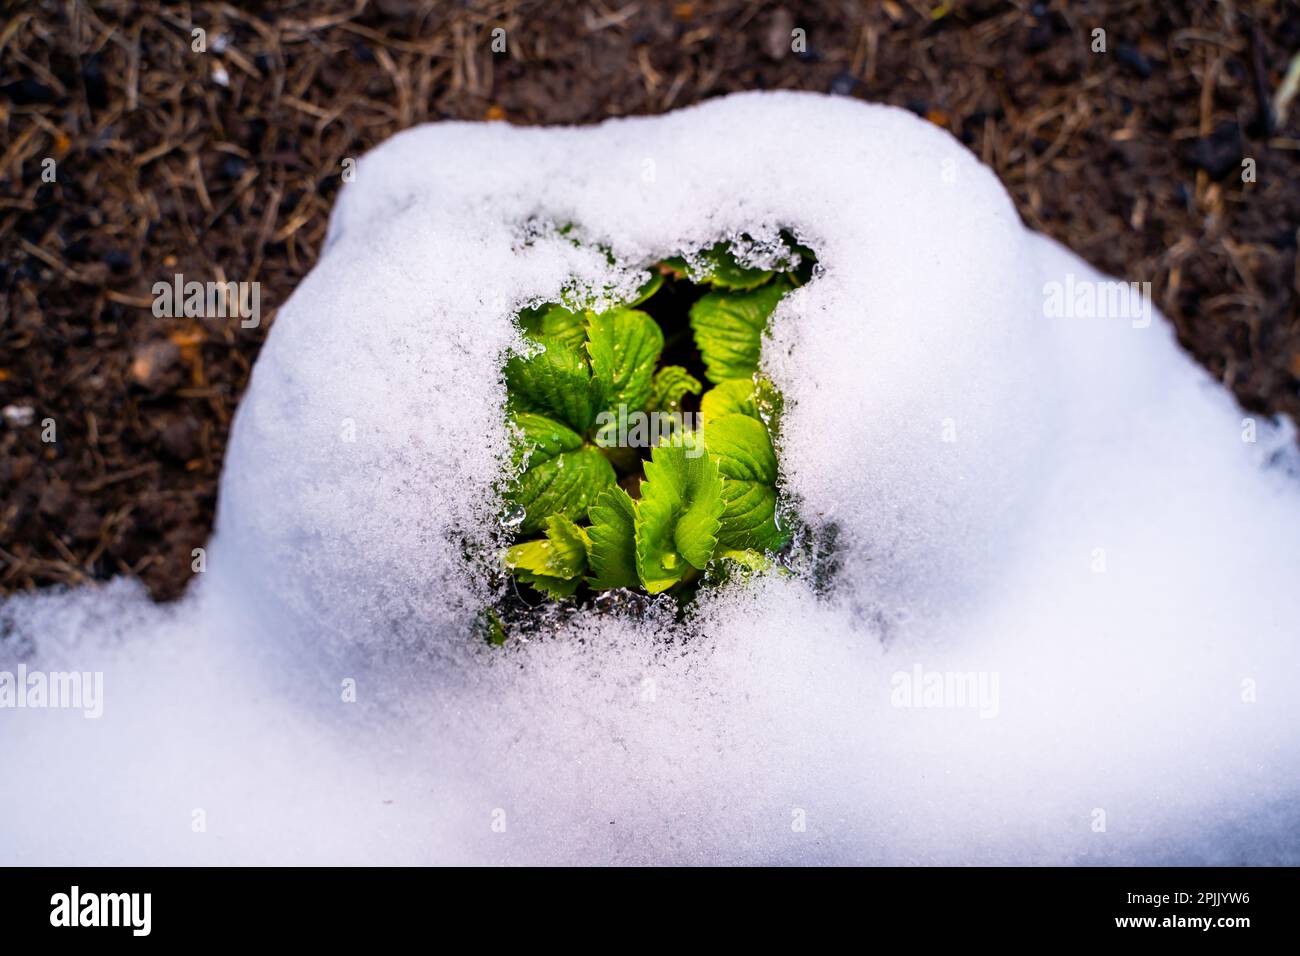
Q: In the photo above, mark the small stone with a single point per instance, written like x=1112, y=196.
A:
x=18, y=416
x=777, y=34
x=152, y=363
x=55, y=498
x=180, y=438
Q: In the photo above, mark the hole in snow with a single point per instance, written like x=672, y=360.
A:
x=645, y=462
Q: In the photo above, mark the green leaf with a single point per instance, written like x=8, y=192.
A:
x=742, y=448
x=557, y=382
x=494, y=631
x=678, y=516
x=624, y=346
x=556, y=564
x=718, y=267
x=746, y=461
x=539, y=438
x=749, y=517
x=725, y=272
x=668, y=386
x=734, y=396
x=561, y=475
x=613, y=541
x=652, y=286
x=677, y=265
x=740, y=565
x=749, y=560
x=567, y=484
x=570, y=545
x=535, y=552
x=729, y=329
x=554, y=321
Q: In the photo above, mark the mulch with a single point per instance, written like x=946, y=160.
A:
x=223, y=165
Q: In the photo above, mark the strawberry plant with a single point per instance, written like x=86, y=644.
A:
x=643, y=435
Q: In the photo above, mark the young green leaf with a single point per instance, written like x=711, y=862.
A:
x=719, y=267
x=749, y=519
x=624, y=346
x=751, y=561
x=613, y=541
x=571, y=545
x=668, y=387
x=742, y=448
x=729, y=329
x=734, y=396
x=678, y=516
x=554, y=321
x=739, y=565
x=747, y=462
x=563, y=475
x=556, y=382
x=725, y=272
x=651, y=286
x=493, y=630
x=539, y=438
x=566, y=485
x=677, y=265
x=556, y=564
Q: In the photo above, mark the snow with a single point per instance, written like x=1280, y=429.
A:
x=1062, y=508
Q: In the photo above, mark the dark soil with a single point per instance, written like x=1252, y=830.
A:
x=223, y=165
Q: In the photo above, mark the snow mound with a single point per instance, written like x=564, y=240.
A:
x=1062, y=629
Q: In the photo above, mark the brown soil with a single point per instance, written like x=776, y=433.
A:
x=223, y=165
